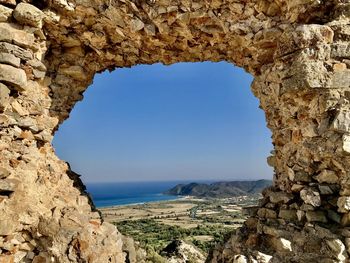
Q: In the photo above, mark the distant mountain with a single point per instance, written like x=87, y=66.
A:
x=220, y=189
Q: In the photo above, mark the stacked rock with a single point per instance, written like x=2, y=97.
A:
x=44, y=217
x=298, y=52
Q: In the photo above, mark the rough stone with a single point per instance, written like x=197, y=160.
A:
x=280, y=197
x=267, y=213
x=8, y=2
x=327, y=176
x=302, y=177
x=16, y=50
x=316, y=216
x=281, y=244
x=5, y=13
x=345, y=220
x=13, y=76
x=28, y=14
x=8, y=33
x=4, y=96
x=311, y=197
x=325, y=190
x=7, y=227
x=341, y=122
x=343, y=204
x=240, y=259
x=4, y=172
x=8, y=185
x=346, y=143
x=334, y=216
x=6, y=58
x=338, y=249
x=288, y=214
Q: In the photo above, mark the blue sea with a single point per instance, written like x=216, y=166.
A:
x=113, y=194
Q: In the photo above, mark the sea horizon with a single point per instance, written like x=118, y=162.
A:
x=107, y=194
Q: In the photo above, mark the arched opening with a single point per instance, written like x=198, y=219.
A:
x=168, y=123
x=142, y=131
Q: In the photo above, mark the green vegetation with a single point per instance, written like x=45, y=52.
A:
x=204, y=222
x=154, y=236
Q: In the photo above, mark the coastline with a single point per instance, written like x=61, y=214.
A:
x=174, y=198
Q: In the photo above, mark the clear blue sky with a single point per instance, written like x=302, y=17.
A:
x=188, y=121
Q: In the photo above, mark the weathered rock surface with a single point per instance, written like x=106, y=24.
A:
x=299, y=55
x=179, y=251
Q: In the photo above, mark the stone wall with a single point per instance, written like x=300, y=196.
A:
x=299, y=54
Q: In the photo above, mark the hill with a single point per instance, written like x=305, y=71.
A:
x=220, y=189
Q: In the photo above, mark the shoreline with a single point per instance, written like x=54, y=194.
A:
x=179, y=198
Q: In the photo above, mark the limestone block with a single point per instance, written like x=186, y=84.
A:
x=310, y=196
x=4, y=96
x=267, y=213
x=288, y=214
x=19, y=109
x=297, y=187
x=337, y=248
x=325, y=190
x=280, y=197
x=300, y=215
x=29, y=15
x=301, y=176
x=327, y=176
x=347, y=244
x=13, y=76
x=316, y=216
x=340, y=50
x=263, y=258
x=6, y=58
x=137, y=25
x=343, y=204
x=346, y=143
x=7, y=227
x=340, y=79
x=37, y=64
x=281, y=244
x=75, y=72
x=19, y=256
x=240, y=259
x=334, y=216
x=345, y=220
x=5, y=13
x=341, y=122
x=8, y=2
x=304, y=36
x=8, y=33
x=16, y=50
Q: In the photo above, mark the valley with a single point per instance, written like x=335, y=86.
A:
x=203, y=222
